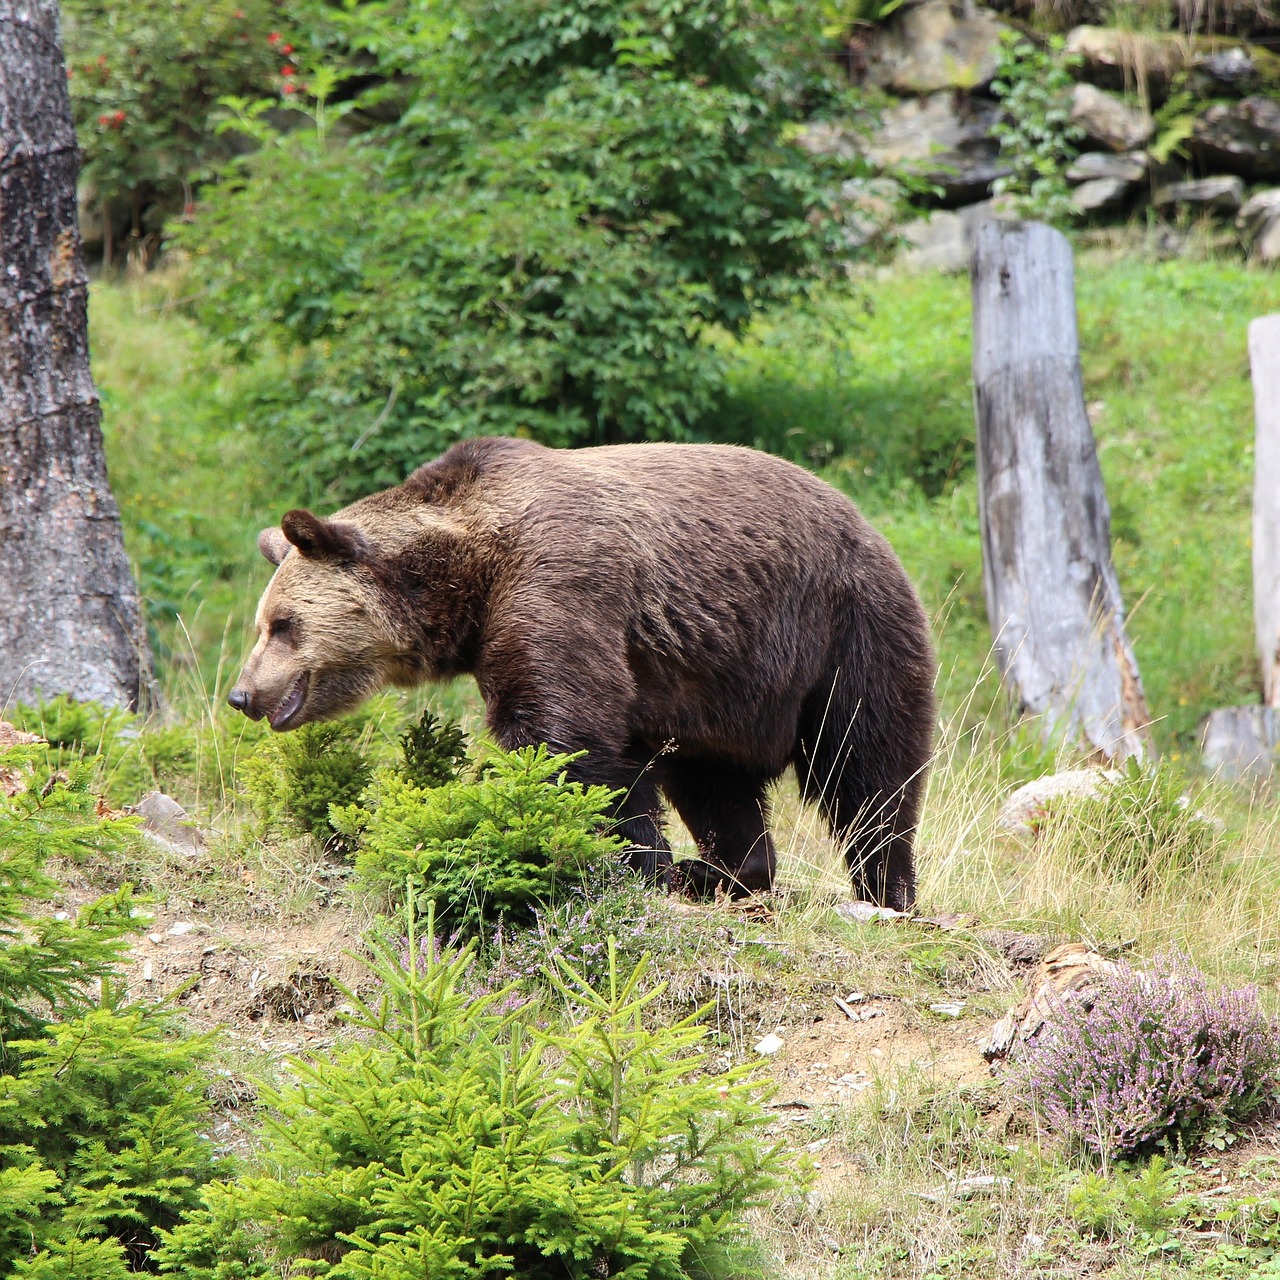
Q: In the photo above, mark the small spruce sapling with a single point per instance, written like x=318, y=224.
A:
x=456, y=1140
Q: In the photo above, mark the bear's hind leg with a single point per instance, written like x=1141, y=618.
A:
x=869, y=787
x=727, y=813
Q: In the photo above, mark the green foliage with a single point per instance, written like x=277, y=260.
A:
x=1148, y=1200
x=435, y=752
x=46, y=964
x=487, y=850
x=99, y=1104
x=1036, y=136
x=145, y=82
x=457, y=1141
x=570, y=196
x=1142, y=827
x=291, y=779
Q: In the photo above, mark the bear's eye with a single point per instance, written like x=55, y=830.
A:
x=279, y=627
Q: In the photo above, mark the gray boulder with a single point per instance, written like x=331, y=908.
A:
x=1109, y=120
x=1259, y=224
x=1242, y=138
x=944, y=240
x=927, y=47
x=1207, y=195
x=1129, y=168
x=944, y=139
x=1101, y=195
x=868, y=207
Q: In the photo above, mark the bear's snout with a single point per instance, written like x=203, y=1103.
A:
x=241, y=699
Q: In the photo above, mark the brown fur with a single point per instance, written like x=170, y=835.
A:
x=696, y=617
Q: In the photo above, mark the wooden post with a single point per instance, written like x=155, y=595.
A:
x=1241, y=742
x=1052, y=593
x=1264, y=359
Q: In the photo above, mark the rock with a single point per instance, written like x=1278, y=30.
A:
x=770, y=1044
x=944, y=139
x=944, y=240
x=1110, y=120
x=1068, y=974
x=866, y=912
x=1243, y=138
x=1101, y=195
x=1028, y=804
x=927, y=47
x=868, y=207
x=1093, y=165
x=164, y=817
x=1113, y=59
x=1240, y=742
x=1109, y=56
x=829, y=138
x=1208, y=195
x=1259, y=224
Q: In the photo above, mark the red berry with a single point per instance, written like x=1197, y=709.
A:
x=286, y=49
x=119, y=117
x=288, y=87
x=238, y=15
x=104, y=120
x=274, y=38
x=287, y=70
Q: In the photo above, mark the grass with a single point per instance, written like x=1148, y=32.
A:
x=874, y=389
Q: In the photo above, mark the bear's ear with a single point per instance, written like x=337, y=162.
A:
x=273, y=544
x=320, y=539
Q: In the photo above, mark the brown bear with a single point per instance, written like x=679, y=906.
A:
x=694, y=617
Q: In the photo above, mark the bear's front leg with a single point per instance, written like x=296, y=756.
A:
x=637, y=813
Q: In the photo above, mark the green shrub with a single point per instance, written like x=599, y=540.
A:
x=291, y=779
x=488, y=850
x=145, y=82
x=1037, y=137
x=99, y=1103
x=568, y=199
x=1141, y=828
x=458, y=1141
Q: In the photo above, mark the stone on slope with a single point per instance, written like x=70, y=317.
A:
x=1242, y=138
x=1205, y=195
x=1109, y=120
x=927, y=47
x=1131, y=167
x=1259, y=224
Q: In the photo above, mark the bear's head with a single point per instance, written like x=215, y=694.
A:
x=327, y=639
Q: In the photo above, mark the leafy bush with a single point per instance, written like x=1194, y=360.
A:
x=1036, y=135
x=99, y=1105
x=145, y=82
x=487, y=850
x=570, y=196
x=291, y=779
x=456, y=1141
x=1157, y=1056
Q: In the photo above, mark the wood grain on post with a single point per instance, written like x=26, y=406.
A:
x=1264, y=360
x=1052, y=593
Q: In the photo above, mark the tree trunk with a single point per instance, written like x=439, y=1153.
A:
x=69, y=615
x=1264, y=357
x=1052, y=593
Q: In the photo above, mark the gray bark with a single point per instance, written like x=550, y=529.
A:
x=70, y=621
x=1264, y=357
x=1240, y=742
x=1052, y=593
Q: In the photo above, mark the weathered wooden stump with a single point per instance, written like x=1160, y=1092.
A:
x=1242, y=742
x=1052, y=593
